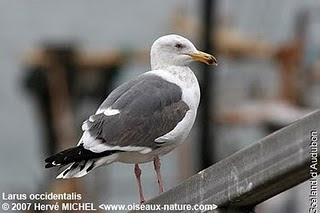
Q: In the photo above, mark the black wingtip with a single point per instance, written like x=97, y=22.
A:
x=74, y=154
x=50, y=159
x=49, y=165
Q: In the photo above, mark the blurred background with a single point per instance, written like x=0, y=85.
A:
x=60, y=59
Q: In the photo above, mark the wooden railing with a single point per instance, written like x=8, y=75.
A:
x=238, y=183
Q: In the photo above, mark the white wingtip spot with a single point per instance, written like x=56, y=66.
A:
x=110, y=111
x=55, y=164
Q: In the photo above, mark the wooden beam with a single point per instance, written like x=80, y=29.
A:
x=270, y=166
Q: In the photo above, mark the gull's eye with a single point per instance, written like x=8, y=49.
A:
x=178, y=45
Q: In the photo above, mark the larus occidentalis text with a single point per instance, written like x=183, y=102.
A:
x=142, y=119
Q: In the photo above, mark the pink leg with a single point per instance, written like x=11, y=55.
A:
x=137, y=172
x=157, y=164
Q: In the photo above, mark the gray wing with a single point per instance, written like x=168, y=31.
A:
x=149, y=107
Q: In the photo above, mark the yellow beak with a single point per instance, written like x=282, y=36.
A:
x=204, y=58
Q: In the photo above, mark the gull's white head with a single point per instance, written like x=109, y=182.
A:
x=175, y=50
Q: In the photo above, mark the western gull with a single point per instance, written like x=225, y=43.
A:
x=142, y=119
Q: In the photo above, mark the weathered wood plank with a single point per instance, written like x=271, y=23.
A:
x=270, y=166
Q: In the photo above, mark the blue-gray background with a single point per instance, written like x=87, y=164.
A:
x=106, y=25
